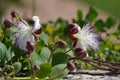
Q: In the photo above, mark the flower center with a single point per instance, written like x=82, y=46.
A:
x=79, y=36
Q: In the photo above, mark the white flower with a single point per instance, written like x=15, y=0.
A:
x=86, y=38
x=24, y=32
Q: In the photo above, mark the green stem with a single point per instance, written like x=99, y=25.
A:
x=52, y=54
x=19, y=18
x=68, y=50
x=33, y=75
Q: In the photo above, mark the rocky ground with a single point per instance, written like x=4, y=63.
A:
x=91, y=77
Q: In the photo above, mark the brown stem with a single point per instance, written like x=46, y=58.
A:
x=104, y=65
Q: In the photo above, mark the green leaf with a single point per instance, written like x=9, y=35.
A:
x=9, y=54
x=44, y=55
x=3, y=50
x=39, y=46
x=79, y=14
x=92, y=14
x=100, y=25
x=44, y=37
x=59, y=58
x=45, y=70
x=7, y=41
x=17, y=67
x=58, y=73
x=35, y=58
x=110, y=22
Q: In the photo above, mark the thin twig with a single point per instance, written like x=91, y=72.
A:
x=52, y=53
x=104, y=65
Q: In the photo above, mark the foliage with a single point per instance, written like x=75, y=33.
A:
x=111, y=6
x=52, y=59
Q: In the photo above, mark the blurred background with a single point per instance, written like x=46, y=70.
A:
x=66, y=9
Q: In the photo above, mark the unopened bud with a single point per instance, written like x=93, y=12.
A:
x=38, y=31
x=78, y=50
x=70, y=66
x=36, y=68
x=80, y=53
x=62, y=44
x=13, y=13
x=72, y=28
x=8, y=23
x=30, y=46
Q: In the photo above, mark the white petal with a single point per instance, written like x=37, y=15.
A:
x=36, y=23
x=23, y=39
x=81, y=45
x=86, y=38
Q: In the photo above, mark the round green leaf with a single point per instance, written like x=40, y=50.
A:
x=44, y=55
x=44, y=71
x=44, y=37
x=35, y=58
x=56, y=72
x=59, y=58
x=17, y=67
x=3, y=50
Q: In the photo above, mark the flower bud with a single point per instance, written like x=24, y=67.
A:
x=72, y=28
x=7, y=23
x=80, y=53
x=70, y=66
x=36, y=68
x=13, y=13
x=62, y=44
x=78, y=50
x=30, y=46
x=38, y=31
